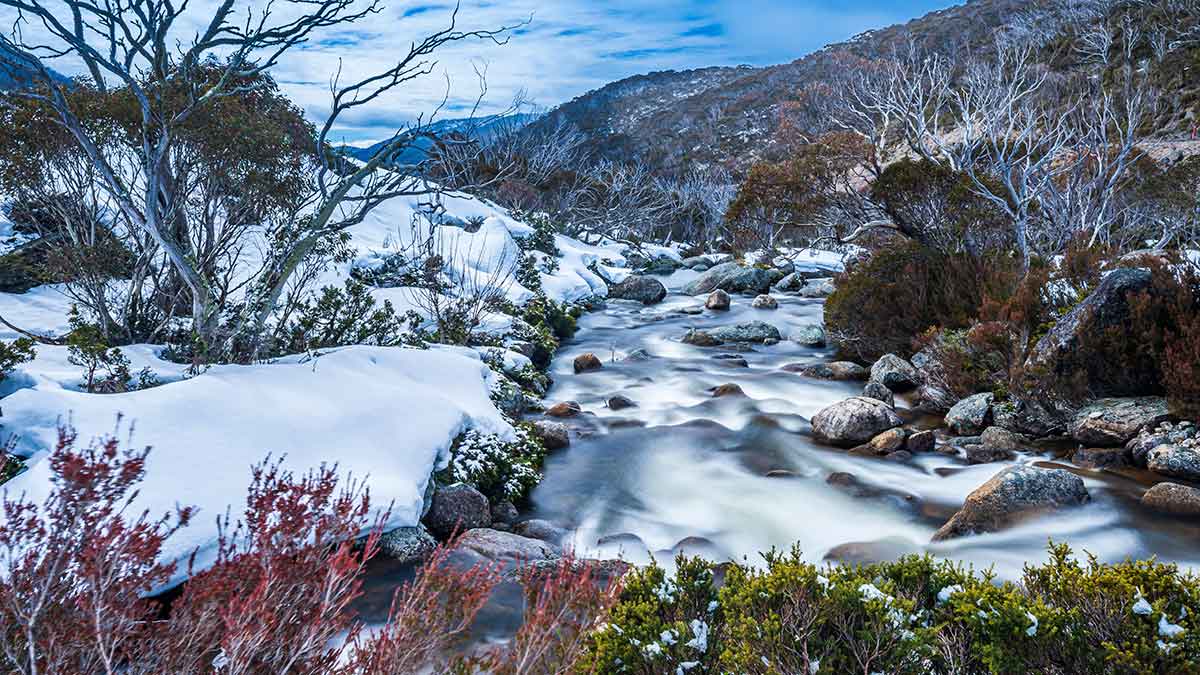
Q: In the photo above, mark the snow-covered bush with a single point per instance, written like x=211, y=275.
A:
x=345, y=316
x=13, y=354
x=500, y=469
x=914, y=615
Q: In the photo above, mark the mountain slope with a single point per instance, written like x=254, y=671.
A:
x=729, y=116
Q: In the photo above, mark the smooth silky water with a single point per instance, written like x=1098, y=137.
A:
x=684, y=471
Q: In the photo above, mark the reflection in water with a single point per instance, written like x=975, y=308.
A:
x=684, y=470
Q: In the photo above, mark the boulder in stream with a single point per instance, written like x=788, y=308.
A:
x=553, y=435
x=407, y=544
x=970, y=416
x=587, y=362
x=1015, y=493
x=1173, y=498
x=1116, y=421
x=879, y=392
x=732, y=278
x=718, y=301
x=753, y=331
x=505, y=546
x=853, y=421
x=1177, y=460
x=811, y=335
x=765, y=302
x=646, y=290
x=457, y=507
x=895, y=373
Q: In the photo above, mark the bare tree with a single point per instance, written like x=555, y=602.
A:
x=141, y=46
x=1012, y=140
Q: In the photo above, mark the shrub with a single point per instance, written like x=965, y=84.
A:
x=914, y=615
x=345, y=316
x=13, y=354
x=881, y=303
x=105, y=368
x=500, y=469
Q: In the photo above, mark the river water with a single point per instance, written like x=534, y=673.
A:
x=686, y=471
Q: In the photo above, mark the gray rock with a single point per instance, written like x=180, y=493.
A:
x=457, y=507
x=978, y=453
x=1107, y=308
x=970, y=416
x=889, y=441
x=1172, y=498
x=1100, y=458
x=620, y=402
x=1150, y=438
x=895, y=373
x=753, y=331
x=837, y=370
x=727, y=389
x=718, y=301
x=790, y=283
x=853, y=421
x=504, y=513
x=811, y=335
x=817, y=288
x=497, y=545
x=645, y=290
x=1116, y=421
x=700, y=338
x=542, y=530
x=408, y=544
x=733, y=278
x=877, y=391
x=921, y=441
x=638, y=355
x=732, y=360
x=1176, y=461
x=765, y=302
x=553, y=435
x=1014, y=493
x=1003, y=439
x=868, y=552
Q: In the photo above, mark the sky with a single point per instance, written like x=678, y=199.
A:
x=558, y=49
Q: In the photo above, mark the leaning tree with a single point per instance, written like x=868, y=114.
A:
x=147, y=49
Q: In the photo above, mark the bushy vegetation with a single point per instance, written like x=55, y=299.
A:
x=502, y=470
x=915, y=615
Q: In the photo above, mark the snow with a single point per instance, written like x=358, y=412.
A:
x=386, y=415
x=1167, y=629
x=948, y=592
x=1140, y=606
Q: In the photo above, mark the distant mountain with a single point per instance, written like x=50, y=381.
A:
x=479, y=128
x=729, y=116
x=16, y=80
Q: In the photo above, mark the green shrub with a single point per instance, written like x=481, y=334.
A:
x=915, y=615
x=13, y=354
x=105, y=368
x=345, y=316
x=500, y=469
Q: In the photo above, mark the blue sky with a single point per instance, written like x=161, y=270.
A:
x=566, y=48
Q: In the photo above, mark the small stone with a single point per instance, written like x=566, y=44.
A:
x=899, y=456
x=553, y=435
x=817, y=288
x=732, y=360
x=889, y=441
x=645, y=290
x=564, y=409
x=781, y=473
x=620, y=402
x=637, y=355
x=1100, y=458
x=838, y=370
x=542, y=530
x=877, y=391
x=408, y=544
x=699, y=338
x=1173, y=498
x=921, y=441
x=977, y=453
x=728, y=389
x=753, y=331
x=504, y=512
x=765, y=302
x=811, y=335
x=717, y=301
x=586, y=362
x=971, y=415
x=1003, y=439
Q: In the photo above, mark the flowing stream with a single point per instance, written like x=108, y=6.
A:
x=686, y=471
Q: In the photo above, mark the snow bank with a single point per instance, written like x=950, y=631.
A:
x=384, y=414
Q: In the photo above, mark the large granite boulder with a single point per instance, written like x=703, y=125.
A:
x=1173, y=498
x=1015, y=493
x=457, y=507
x=499, y=546
x=970, y=416
x=854, y=421
x=753, y=331
x=732, y=278
x=1180, y=460
x=1116, y=421
x=895, y=373
x=645, y=290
